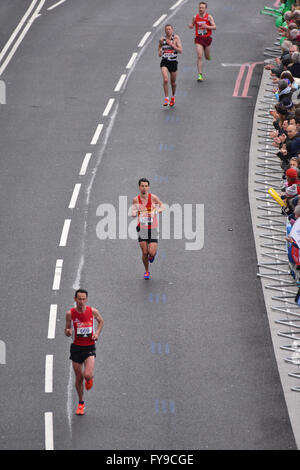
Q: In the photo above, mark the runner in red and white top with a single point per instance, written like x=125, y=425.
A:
x=204, y=25
x=146, y=207
x=80, y=324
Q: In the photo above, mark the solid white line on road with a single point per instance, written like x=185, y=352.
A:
x=176, y=5
x=159, y=20
x=74, y=196
x=49, y=441
x=97, y=134
x=85, y=163
x=14, y=34
x=144, y=39
x=108, y=107
x=49, y=373
x=52, y=321
x=120, y=82
x=21, y=37
x=56, y=4
x=131, y=61
x=65, y=232
x=57, y=274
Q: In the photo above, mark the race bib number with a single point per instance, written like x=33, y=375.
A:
x=201, y=32
x=84, y=330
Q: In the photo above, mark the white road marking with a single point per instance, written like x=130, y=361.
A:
x=49, y=441
x=49, y=373
x=21, y=37
x=97, y=134
x=65, y=232
x=131, y=61
x=56, y=4
x=108, y=107
x=85, y=163
x=144, y=39
x=120, y=82
x=52, y=321
x=159, y=20
x=176, y=5
x=17, y=29
x=74, y=196
x=57, y=274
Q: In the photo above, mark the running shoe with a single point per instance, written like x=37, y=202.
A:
x=172, y=102
x=89, y=384
x=200, y=77
x=166, y=102
x=152, y=258
x=80, y=409
x=147, y=275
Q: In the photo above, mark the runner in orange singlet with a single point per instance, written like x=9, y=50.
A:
x=80, y=325
x=204, y=25
x=146, y=206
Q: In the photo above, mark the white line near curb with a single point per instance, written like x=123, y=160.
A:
x=120, y=82
x=97, y=134
x=49, y=373
x=57, y=274
x=144, y=39
x=52, y=321
x=85, y=164
x=49, y=441
x=131, y=61
x=159, y=20
x=108, y=107
x=74, y=195
x=21, y=37
x=176, y=5
x=65, y=232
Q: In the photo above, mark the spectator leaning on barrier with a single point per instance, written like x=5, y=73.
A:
x=294, y=68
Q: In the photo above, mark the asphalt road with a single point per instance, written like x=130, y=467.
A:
x=185, y=360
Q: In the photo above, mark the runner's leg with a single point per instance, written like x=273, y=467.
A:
x=78, y=379
x=152, y=249
x=165, y=75
x=144, y=248
x=173, y=82
x=200, y=50
x=207, y=52
x=89, y=364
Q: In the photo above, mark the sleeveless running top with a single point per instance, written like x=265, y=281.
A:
x=149, y=220
x=199, y=21
x=168, y=52
x=83, y=326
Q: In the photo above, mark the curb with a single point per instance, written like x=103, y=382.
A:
x=269, y=229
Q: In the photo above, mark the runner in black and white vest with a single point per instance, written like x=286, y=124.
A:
x=168, y=48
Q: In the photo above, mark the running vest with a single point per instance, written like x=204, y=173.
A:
x=199, y=22
x=168, y=52
x=83, y=326
x=149, y=220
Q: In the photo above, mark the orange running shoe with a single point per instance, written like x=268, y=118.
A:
x=80, y=409
x=89, y=384
x=172, y=102
x=166, y=102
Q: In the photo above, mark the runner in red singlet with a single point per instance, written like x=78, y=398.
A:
x=146, y=206
x=80, y=324
x=204, y=25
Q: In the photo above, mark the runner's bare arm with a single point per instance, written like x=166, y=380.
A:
x=192, y=24
x=158, y=203
x=68, y=327
x=177, y=44
x=134, y=207
x=100, y=322
x=212, y=23
x=160, y=43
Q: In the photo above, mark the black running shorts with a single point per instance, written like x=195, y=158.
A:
x=171, y=65
x=147, y=235
x=81, y=353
